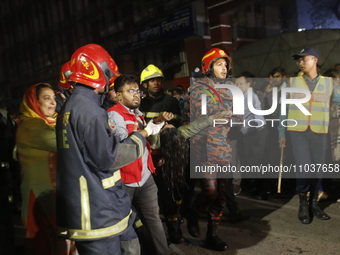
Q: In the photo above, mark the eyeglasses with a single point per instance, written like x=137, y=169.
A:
x=304, y=60
x=132, y=91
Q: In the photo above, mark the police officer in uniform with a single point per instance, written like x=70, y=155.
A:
x=309, y=136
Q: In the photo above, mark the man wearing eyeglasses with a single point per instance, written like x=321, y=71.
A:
x=309, y=136
x=137, y=176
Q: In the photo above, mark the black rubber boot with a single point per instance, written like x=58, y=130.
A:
x=174, y=232
x=212, y=239
x=192, y=223
x=303, y=215
x=316, y=210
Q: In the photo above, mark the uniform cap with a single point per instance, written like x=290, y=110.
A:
x=306, y=52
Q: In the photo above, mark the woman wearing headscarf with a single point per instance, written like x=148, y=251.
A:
x=36, y=143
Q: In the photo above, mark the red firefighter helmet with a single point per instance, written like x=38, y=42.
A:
x=93, y=66
x=64, y=76
x=211, y=56
x=115, y=76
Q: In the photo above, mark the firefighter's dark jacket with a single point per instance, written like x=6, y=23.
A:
x=91, y=199
x=61, y=96
x=152, y=107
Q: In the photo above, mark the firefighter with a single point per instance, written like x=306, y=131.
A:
x=64, y=89
x=156, y=101
x=210, y=147
x=152, y=105
x=111, y=96
x=93, y=207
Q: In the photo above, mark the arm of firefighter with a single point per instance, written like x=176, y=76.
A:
x=195, y=126
x=202, y=122
x=129, y=150
x=103, y=151
x=155, y=141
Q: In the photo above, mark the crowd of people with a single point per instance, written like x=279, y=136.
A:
x=105, y=156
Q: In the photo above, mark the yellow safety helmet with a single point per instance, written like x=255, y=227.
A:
x=149, y=72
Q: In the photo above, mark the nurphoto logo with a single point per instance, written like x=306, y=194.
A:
x=301, y=96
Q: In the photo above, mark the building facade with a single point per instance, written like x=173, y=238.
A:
x=39, y=36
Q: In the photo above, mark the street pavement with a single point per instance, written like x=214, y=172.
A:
x=273, y=228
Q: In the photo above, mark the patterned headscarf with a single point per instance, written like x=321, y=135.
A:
x=30, y=107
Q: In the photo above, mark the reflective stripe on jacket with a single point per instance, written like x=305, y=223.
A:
x=91, y=199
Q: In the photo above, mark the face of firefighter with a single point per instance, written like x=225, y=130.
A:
x=129, y=95
x=111, y=95
x=154, y=85
x=47, y=102
x=242, y=84
x=220, y=68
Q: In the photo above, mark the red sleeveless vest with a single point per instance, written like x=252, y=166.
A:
x=132, y=172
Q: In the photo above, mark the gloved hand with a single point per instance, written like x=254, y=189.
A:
x=152, y=128
x=221, y=115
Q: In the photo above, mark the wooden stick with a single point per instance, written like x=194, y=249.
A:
x=280, y=173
